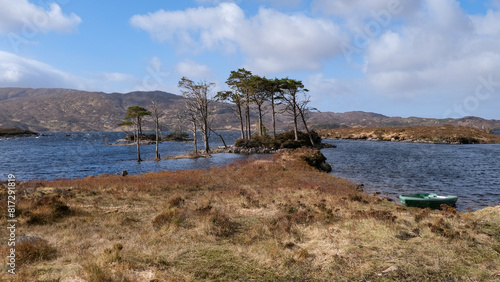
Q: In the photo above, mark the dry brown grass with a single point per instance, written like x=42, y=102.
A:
x=275, y=219
x=437, y=134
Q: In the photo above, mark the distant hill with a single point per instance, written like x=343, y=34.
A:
x=328, y=120
x=73, y=110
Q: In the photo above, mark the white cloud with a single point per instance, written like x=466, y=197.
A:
x=276, y=42
x=488, y=24
x=16, y=71
x=24, y=17
x=325, y=91
x=191, y=69
x=350, y=7
x=439, y=55
x=283, y=3
x=271, y=41
x=212, y=26
x=117, y=77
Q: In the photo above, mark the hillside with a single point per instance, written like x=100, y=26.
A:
x=73, y=110
x=328, y=120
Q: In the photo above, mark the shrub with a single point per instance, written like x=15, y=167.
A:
x=30, y=249
x=421, y=214
x=176, y=201
x=113, y=255
x=46, y=210
x=381, y=215
x=258, y=141
x=94, y=272
x=285, y=140
x=222, y=226
x=171, y=216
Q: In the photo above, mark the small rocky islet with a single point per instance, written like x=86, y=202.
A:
x=16, y=132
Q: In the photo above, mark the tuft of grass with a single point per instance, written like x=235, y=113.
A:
x=30, y=249
x=223, y=226
x=223, y=264
x=422, y=214
x=114, y=254
x=166, y=218
x=94, y=272
x=46, y=210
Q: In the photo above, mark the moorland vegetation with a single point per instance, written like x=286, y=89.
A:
x=274, y=219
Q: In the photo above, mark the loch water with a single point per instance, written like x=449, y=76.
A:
x=79, y=154
x=471, y=172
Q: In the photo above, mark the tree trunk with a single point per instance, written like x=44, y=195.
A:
x=274, y=118
x=139, y=122
x=241, y=121
x=307, y=129
x=260, y=120
x=194, y=139
x=138, y=140
x=220, y=136
x=156, y=149
x=205, y=137
x=295, y=126
x=247, y=116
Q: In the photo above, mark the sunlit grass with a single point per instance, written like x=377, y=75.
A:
x=275, y=219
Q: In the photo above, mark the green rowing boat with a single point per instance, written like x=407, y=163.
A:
x=427, y=200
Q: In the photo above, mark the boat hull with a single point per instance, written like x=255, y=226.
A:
x=428, y=200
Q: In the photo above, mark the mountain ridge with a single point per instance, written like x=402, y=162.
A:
x=59, y=109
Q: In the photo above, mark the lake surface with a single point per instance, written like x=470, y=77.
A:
x=77, y=154
x=470, y=171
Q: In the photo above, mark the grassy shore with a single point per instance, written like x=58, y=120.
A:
x=276, y=220
x=429, y=134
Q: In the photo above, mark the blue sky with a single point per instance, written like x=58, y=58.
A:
x=426, y=58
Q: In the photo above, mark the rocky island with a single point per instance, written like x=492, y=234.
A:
x=15, y=132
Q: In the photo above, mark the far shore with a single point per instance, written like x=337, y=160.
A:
x=447, y=134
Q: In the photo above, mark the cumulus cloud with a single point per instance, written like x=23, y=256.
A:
x=23, y=16
x=194, y=29
x=440, y=55
x=189, y=68
x=487, y=25
x=276, y=42
x=271, y=41
x=16, y=71
x=349, y=7
x=327, y=91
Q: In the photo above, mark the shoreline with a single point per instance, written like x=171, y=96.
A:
x=414, y=134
